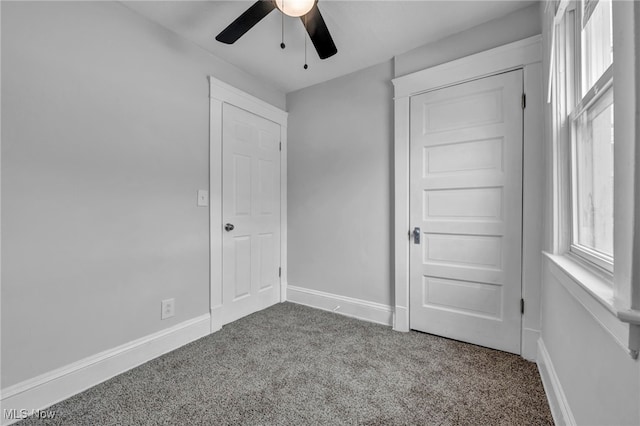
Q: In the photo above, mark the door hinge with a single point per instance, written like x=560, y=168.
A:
x=280, y=272
x=524, y=101
x=522, y=306
x=280, y=146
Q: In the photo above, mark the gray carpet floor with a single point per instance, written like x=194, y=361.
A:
x=294, y=365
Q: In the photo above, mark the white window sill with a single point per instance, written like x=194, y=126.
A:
x=594, y=293
x=598, y=287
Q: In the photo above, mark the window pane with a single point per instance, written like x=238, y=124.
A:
x=597, y=41
x=594, y=177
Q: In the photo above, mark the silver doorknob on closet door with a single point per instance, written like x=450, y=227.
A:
x=229, y=227
x=416, y=235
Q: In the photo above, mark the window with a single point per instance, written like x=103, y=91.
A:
x=591, y=125
x=587, y=232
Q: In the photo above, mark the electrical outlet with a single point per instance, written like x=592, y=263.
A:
x=168, y=308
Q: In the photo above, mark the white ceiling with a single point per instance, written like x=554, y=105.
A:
x=365, y=32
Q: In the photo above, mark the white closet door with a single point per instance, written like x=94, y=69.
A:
x=250, y=213
x=466, y=200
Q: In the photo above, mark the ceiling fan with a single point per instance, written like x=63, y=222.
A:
x=306, y=10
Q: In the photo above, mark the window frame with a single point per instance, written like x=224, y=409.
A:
x=574, y=107
x=614, y=303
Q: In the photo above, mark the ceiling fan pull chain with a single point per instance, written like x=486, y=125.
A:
x=305, y=43
x=282, y=45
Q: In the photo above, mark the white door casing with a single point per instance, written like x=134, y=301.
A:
x=466, y=198
x=222, y=96
x=250, y=213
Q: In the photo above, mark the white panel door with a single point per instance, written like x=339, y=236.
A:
x=466, y=200
x=250, y=213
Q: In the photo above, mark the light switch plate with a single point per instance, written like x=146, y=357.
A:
x=203, y=198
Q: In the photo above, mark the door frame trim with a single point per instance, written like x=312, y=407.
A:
x=525, y=54
x=219, y=94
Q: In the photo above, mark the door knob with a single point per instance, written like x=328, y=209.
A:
x=229, y=227
x=416, y=235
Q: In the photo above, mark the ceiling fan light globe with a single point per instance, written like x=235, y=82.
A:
x=295, y=8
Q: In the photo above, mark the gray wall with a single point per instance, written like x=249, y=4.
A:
x=339, y=185
x=600, y=381
x=105, y=121
x=515, y=26
x=340, y=156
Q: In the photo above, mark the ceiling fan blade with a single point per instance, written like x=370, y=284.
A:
x=246, y=21
x=319, y=33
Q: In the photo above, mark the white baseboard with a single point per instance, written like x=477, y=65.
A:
x=530, y=339
x=558, y=402
x=356, y=308
x=47, y=389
